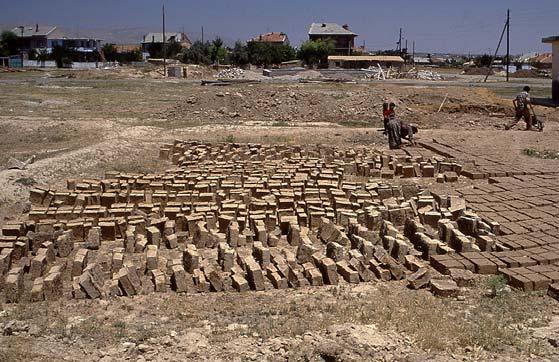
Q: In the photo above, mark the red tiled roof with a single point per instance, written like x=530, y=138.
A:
x=542, y=58
x=270, y=38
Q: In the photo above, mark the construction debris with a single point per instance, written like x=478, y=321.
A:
x=14, y=164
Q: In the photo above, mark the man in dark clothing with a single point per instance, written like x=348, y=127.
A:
x=522, y=107
x=397, y=130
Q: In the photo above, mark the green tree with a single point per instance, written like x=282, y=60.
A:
x=315, y=53
x=8, y=43
x=173, y=48
x=483, y=61
x=239, y=54
x=268, y=54
x=110, y=51
x=217, y=51
x=198, y=53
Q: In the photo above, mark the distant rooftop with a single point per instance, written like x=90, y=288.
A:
x=273, y=37
x=550, y=39
x=34, y=30
x=158, y=37
x=329, y=29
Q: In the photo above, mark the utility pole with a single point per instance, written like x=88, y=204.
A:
x=496, y=50
x=400, y=41
x=413, y=52
x=164, y=46
x=202, y=34
x=508, y=42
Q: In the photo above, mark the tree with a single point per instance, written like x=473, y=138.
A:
x=217, y=51
x=155, y=50
x=315, y=52
x=483, y=61
x=8, y=43
x=173, y=48
x=110, y=51
x=62, y=56
x=239, y=54
x=198, y=53
x=267, y=53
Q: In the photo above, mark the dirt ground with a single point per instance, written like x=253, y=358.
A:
x=83, y=125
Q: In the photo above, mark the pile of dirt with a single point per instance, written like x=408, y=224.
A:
x=478, y=71
x=528, y=73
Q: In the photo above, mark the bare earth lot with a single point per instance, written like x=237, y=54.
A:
x=84, y=126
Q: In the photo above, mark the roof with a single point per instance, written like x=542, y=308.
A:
x=550, y=39
x=366, y=58
x=329, y=29
x=158, y=37
x=546, y=58
x=273, y=37
x=34, y=30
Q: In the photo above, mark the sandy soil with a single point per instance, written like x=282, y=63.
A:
x=85, y=125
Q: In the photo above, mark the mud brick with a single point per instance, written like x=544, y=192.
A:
x=52, y=286
x=379, y=272
x=232, y=234
x=255, y=276
x=462, y=277
x=540, y=259
x=485, y=243
x=78, y=230
x=117, y=261
x=553, y=275
x=38, y=265
x=329, y=271
x=140, y=244
x=129, y=281
x=20, y=249
x=153, y=236
x=191, y=258
x=261, y=254
x=90, y=286
x=522, y=282
x=77, y=291
x=159, y=279
x=484, y=266
x=349, y=275
x=365, y=275
x=48, y=248
x=444, y=287
x=540, y=282
x=228, y=259
x=428, y=171
x=294, y=234
x=201, y=235
x=5, y=263
x=37, y=292
x=13, y=287
x=239, y=283
x=171, y=241
x=507, y=274
x=419, y=279
x=296, y=278
x=553, y=291
x=80, y=262
x=108, y=230
x=413, y=263
x=224, y=221
x=152, y=254
x=450, y=176
x=200, y=282
x=525, y=261
x=93, y=240
x=181, y=281
x=305, y=251
x=335, y=251
x=129, y=241
x=215, y=279
x=65, y=244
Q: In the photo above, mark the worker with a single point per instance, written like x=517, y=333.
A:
x=397, y=130
x=522, y=107
x=387, y=110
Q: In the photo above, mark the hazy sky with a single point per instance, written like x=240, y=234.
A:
x=435, y=25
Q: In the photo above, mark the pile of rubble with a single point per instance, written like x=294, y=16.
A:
x=422, y=74
x=240, y=217
x=378, y=73
x=230, y=73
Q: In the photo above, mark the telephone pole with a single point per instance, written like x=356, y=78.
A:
x=400, y=41
x=508, y=42
x=202, y=34
x=164, y=46
x=413, y=52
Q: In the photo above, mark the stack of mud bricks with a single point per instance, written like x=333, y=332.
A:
x=227, y=217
